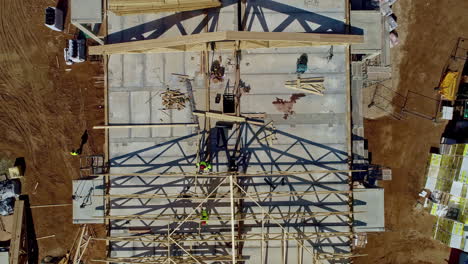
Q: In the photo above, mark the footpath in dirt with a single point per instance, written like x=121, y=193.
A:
x=429, y=31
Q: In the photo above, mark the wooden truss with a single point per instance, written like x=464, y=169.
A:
x=226, y=41
x=81, y=244
x=224, y=174
x=164, y=259
x=196, y=238
x=226, y=217
x=222, y=196
x=228, y=239
x=129, y=7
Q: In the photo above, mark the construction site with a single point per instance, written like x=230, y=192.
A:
x=222, y=131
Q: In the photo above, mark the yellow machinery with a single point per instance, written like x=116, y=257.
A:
x=449, y=85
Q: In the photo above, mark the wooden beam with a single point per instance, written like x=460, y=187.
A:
x=224, y=174
x=233, y=237
x=164, y=259
x=226, y=41
x=76, y=254
x=226, y=217
x=88, y=32
x=221, y=116
x=146, y=125
x=17, y=233
x=125, y=7
x=221, y=196
x=49, y=205
x=226, y=237
x=228, y=118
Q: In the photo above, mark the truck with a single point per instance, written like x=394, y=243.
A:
x=54, y=18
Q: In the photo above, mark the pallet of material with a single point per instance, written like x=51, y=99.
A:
x=129, y=7
x=309, y=85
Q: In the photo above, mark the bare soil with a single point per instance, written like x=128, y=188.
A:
x=45, y=106
x=428, y=31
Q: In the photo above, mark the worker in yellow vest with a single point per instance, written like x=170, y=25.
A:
x=203, y=166
x=204, y=217
x=74, y=152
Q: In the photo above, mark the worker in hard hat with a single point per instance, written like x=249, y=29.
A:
x=204, y=217
x=204, y=166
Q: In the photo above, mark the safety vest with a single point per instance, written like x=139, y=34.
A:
x=204, y=163
x=204, y=215
x=74, y=153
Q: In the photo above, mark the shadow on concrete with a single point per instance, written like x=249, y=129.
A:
x=255, y=12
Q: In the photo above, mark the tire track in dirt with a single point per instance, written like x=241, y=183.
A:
x=432, y=30
x=43, y=112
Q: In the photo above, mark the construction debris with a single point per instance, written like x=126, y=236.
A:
x=174, y=99
x=309, y=85
x=217, y=71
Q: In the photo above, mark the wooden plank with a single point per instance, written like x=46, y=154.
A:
x=228, y=118
x=222, y=196
x=288, y=37
x=226, y=216
x=125, y=7
x=251, y=39
x=220, y=116
x=17, y=232
x=142, y=45
x=224, y=174
x=88, y=32
x=49, y=205
x=146, y=126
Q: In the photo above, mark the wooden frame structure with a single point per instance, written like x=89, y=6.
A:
x=226, y=41
x=170, y=238
x=130, y=7
x=205, y=42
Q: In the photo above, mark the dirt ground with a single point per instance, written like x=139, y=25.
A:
x=45, y=106
x=428, y=31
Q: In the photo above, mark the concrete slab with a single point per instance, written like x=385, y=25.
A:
x=88, y=201
x=371, y=201
x=312, y=138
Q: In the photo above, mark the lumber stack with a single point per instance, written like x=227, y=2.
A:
x=174, y=99
x=309, y=85
x=130, y=7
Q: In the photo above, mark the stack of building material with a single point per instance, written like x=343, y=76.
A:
x=309, y=85
x=174, y=99
x=448, y=182
x=129, y=7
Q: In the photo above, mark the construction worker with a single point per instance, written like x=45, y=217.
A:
x=204, y=166
x=204, y=217
x=74, y=152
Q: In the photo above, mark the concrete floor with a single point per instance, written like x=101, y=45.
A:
x=314, y=137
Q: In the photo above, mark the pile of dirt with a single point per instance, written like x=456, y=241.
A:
x=429, y=31
x=45, y=106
